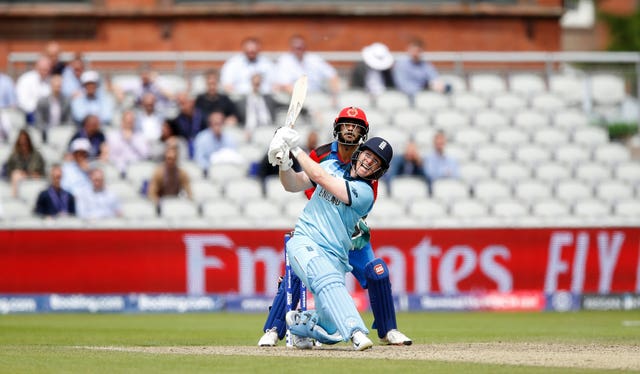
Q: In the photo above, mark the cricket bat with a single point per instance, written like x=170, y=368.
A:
x=298, y=95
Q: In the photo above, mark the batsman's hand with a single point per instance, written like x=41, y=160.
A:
x=290, y=137
x=276, y=146
x=361, y=236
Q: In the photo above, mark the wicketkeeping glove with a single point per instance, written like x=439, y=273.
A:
x=361, y=236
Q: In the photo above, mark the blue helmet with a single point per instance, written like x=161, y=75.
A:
x=380, y=148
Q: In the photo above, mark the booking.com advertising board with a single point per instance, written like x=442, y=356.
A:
x=444, y=269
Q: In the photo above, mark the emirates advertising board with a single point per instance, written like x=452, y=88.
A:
x=428, y=267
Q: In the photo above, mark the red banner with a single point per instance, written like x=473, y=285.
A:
x=249, y=261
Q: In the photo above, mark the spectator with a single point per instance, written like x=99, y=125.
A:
x=33, y=85
x=75, y=172
x=53, y=110
x=92, y=101
x=168, y=138
x=55, y=201
x=412, y=74
x=437, y=165
x=97, y=202
x=212, y=140
x=237, y=72
x=169, y=179
x=25, y=162
x=257, y=109
x=374, y=72
x=410, y=163
x=190, y=120
x=212, y=100
x=91, y=131
x=297, y=62
x=72, y=77
x=127, y=146
x=148, y=119
x=149, y=85
x=52, y=50
x=7, y=100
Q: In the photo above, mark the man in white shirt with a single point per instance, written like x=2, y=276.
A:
x=236, y=73
x=127, y=145
x=97, y=202
x=32, y=86
x=297, y=62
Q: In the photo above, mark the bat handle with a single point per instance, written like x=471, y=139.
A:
x=279, y=155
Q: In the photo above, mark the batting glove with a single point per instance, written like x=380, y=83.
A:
x=290, y=137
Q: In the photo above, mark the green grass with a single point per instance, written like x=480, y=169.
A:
x=45, y=343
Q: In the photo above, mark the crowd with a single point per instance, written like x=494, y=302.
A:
x=122, y=124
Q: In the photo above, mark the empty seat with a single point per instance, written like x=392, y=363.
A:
x=318, y=100
x=293, y=208
x=409, y=120
x=430, y=101
x=397, y=139
x=404, y=188
x=459, y=153
x=532, y=155
x=470, y=172
x=490, y=120
x=547, y=102
x=550, y=209
x=551, y=172
x=376, y=117
x=261, y=136
x=607, y=89
x=123, y=189
x=628, y=172
x=261, y=211
x=192, y=169
x=138, y=208
x=458, y=83
x=29, y=189
x=469, y=209
x=492, y=154
x=570, y=119
x=240, y=190
x=591, y=209
x=449, y=189
x=526, y=84
x=274, y=191
x=177, y=208
x=592, y=173
x=570, y=87
x=489, y=191
x=60, y=136
x=511, y=137
x=16, y=209
x=388, y=209
x=222, y=173
x=470, y=137
x=629, y=208
x=468, y=102
x=530, y=120
x=551, y=138
x=572, y=190
x=512, y=172
x=392, y=100
x=449, y=120
x=424, y=138
x=508, y=103
x=204, y=189
x=220, y=210
x=532, y=190
x=590, y=136
x=571, y=154
x=171, y=83
x=611, y=154
x=509, y=208
x=140, y=171
x=487, y=84
x=427, y=209
x=357, y=98
x=612, y=191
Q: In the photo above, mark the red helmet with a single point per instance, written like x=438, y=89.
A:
x=355, y=115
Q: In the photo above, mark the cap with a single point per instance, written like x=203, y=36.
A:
x=377, y=56
x=80, y=144
x=89, y=76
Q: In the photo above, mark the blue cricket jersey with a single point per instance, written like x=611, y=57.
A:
x=328, y=221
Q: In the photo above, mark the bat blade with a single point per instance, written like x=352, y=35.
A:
x=298, y=95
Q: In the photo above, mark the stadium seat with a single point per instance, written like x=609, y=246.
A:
x=628, y=208
x=611, y=154
x=613, y=191
x=192, y=169
x=532, y=190
x=242, y=189
x=409, y=120
x=469, y=209
x=508, y=103
x=171, y=83
x=571, y=154
x=204, y=190
x=138, y=208
x=491, y=190
x=551, y=138
x=487, y=84
x=591, y=209
x=547, y=103
x=592, y=173
x=16, y=209
x=447, y=190
x=391, y=101
x=470, y=137
x=318, y=100
x=388, y=210
x=509, y=209
x=471, y=172
x=178, y=208
x=140, y=171
x=398, y=139
x=261, y=136
x=223, y=173
x=253, y=153
x=492, y=154
x=590, y=136
x=511, y=138
x=274, y=191
x=570, y=119
x=430, y=101
x=572, y=190
x=628, y=172
x=60, y=136
x=5, y=190
x=551, y=172
x=550, y=209
x=512, y=172
x=424, y=138
x=526, y=84
x=458, y=83
x=607, y=89
x=261, y=210
x=357, y=98
x=425, y=210
x=219, y=210
x=458, y=153
x=29, y=189
x=403, y=188
x=468, y=102
x=530, y=120
x=490, y=120
x=123, y=189
x=570, y=87
x=450, y=119
x=293, y=208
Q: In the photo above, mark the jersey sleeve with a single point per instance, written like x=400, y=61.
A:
x=361, y=196
x=314, y=156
